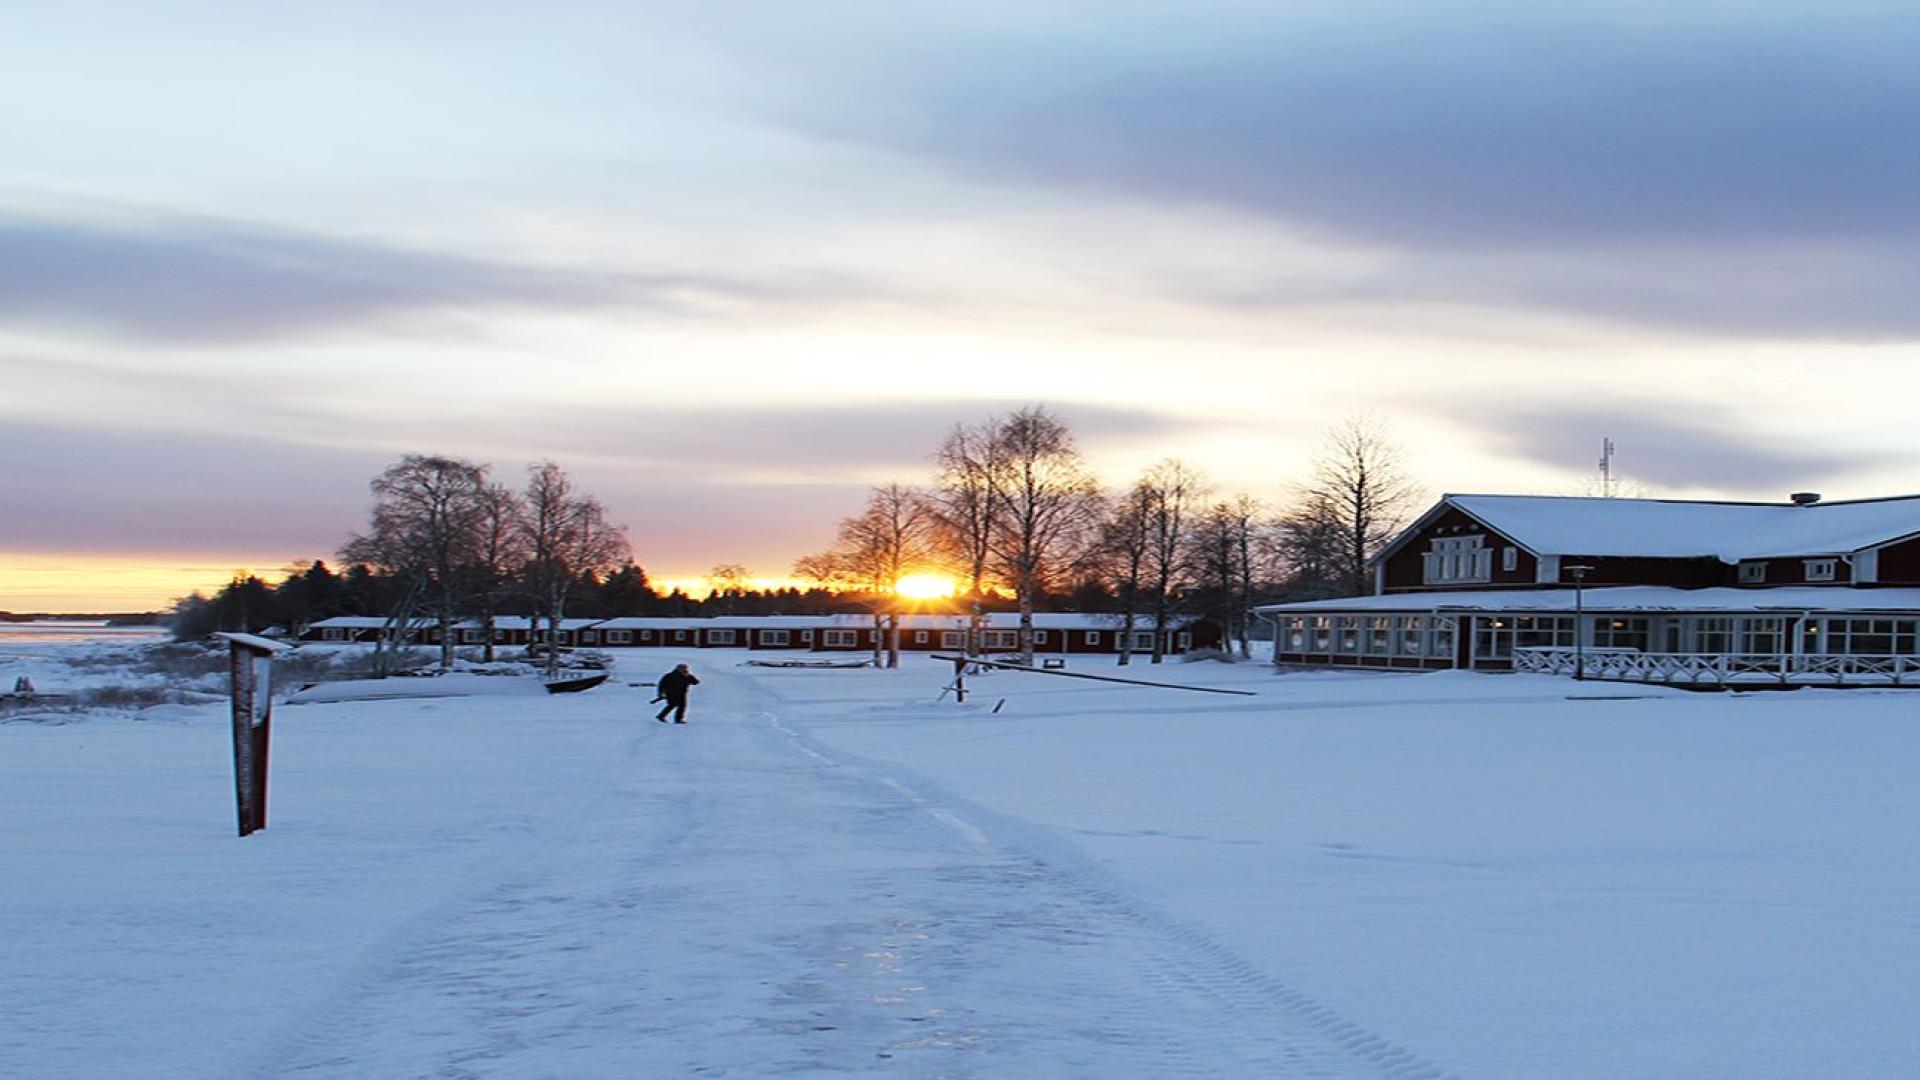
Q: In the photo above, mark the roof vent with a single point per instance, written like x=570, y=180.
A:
x=1805, y=498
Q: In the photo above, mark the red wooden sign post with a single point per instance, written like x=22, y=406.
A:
x=252, y=668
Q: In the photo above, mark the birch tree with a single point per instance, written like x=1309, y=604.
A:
x=424, y=528
x=963, y=509
x=1046, y=507
x=1172, y=489
x=567, y=535
x=1359, y=495
x=893, y=537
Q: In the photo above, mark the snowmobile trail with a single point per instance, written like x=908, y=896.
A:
x=738, y=901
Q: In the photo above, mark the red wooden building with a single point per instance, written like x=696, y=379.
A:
x=1667, y=590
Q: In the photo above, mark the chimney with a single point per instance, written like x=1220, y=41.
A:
x=1805, y=498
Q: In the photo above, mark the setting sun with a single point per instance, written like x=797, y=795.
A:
x=924, y=586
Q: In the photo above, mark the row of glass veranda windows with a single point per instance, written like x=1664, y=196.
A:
x=1495, y=636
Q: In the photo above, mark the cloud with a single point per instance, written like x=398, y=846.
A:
x=190, y=280
x=1718, y=169
x=1662, y=444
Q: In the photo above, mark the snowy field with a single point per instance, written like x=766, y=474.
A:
x=832, y=872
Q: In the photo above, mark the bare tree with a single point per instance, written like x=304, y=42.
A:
x=567, y=535
x=1172, y=490
x=1360, y=494
x=891, y=538
x=425, y=527
x=1125, y=538
x=963, y=509
x=499, y=554
x=1227, y=542
x=1047, y=507
x=725, y=584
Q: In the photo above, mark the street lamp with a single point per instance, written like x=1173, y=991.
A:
x=1579, y=572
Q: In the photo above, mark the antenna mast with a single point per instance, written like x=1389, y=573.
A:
x=1606, y=467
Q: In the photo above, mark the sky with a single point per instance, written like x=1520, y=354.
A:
x=733, y=264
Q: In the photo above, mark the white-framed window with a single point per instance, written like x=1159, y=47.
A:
x=1000, y=639
x=333, y=633
x=953, y=639
x=1186, y=641
x=842, y=639
x=920, y=637
x=588, y=637
x=1039, y=637
x=1821, y=569
x=470, y=637
x=1142, y=641
x=1457, y=559
x=679, y=635
x=1510, y=558
x=500, y=634
x=619, y=637
x=1753, y=573
x=646, y=635
x=720, y=637
x=775, y=637
x=806, y=636
x=1092, y=638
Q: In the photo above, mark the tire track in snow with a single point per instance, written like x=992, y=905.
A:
x=745, y=902
x=1301, y=1036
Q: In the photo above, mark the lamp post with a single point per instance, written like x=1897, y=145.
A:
x=1579, y=572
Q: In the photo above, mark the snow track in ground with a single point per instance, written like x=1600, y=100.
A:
x=740, y=901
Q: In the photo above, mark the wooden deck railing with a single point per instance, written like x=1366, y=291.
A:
x=1721, y=668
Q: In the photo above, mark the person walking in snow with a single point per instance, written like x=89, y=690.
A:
x=673, y=687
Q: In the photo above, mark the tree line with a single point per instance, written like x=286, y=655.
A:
x=1012, y=509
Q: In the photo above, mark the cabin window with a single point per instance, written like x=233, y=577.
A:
x=1458, y=559
x=619, y=637
x=470, y=637
x=920, y=637
x=1625, y=634
x=1039, y=637
x=1820, y=569
x=333, y=634
x=719, y=637
x=1753, y=573
x=1092, y=637
x=953, y=639
x=588, y=637
x=1185, y=642
x=1380, y=635
x=775, y=637
x=679, y=635
x=1142, y=641
x=499, y=634
x=1000, y=639
x=839, y=639
x=806, y=636
x=1296, y=634
x=1510, y=558
x=646, y=635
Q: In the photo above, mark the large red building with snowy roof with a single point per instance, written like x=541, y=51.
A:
x=1656, y=589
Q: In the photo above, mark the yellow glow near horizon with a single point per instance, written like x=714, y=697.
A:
x=65, y=584
x=926, y=586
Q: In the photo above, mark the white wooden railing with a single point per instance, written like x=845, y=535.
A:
x=1719, y=668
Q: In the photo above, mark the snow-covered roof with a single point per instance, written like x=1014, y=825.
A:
x=1618, y=599
x=359, y=622
x=1670, y=528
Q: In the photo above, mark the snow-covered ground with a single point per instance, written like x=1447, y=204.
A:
x=833, y=872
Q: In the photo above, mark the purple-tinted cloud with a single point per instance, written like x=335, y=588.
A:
x=1728, y=172
x=1662, y=444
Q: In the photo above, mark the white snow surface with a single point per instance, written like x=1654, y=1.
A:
x=831, y=872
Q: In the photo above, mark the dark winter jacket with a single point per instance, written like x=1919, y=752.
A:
x=673, y=685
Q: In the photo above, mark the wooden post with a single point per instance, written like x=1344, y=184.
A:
x=250, y=662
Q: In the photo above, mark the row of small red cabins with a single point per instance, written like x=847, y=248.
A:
x=1054, y=633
